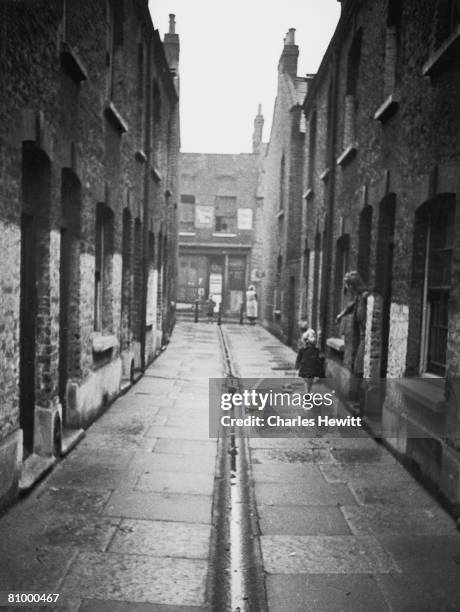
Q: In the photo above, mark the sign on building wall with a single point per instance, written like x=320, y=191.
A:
x=204, y=216
x=244, y=218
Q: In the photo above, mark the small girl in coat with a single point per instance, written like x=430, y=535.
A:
x=308, y=362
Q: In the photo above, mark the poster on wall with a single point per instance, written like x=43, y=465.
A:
x=215, y=288
x=245, y=218
x=204, y=216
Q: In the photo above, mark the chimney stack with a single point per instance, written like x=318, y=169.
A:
x=258, y=127
x=290, y=54
x=171, y=45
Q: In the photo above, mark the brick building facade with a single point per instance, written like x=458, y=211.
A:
x=282, y=191
x=380, y=194
x=219, y=206
x=89, y=139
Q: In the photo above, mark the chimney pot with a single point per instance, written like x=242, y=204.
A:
x=172, y=23
x=290, y=37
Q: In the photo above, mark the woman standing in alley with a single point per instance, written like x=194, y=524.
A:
x=357, y=307
x=251, y=305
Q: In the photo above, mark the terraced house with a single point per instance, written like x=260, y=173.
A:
x=380, y=194
x=89, y=139
x=219, y=213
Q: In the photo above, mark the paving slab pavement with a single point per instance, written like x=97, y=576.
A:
x=373, y=539
x=123, y=523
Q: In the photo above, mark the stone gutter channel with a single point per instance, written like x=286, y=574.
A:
x=236, y=580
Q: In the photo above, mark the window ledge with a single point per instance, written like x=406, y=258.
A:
x=72, y=64
x=388, y=108
x=447, y=52
x=280, y=214
x=336, y=344
x=308, y=194
x=187, y=233
x=325, y=174
x=347, y=154
x=102, y=343
x=140, y=156
x=115, y=117
x=155, y=173
x=424, y=391
x=224, y=234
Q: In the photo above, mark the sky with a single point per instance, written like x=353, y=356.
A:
x=228, y=63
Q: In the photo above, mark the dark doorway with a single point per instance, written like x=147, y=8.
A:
x=384, y=271
x=69, y=282
x=126, y=280
x=34, y=285
x=364, y=242
x=28, y=315
x=316, y=287
x=291, y=311
x=63, y=317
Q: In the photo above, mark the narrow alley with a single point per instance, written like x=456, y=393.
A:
x=128, y=521
x=230, y=306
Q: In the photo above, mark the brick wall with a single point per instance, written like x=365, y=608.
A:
x=75, y=132
x=390, y=138
x=282, y=214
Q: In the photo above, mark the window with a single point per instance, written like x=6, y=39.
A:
x=282, y=175
x=354, y=57
x=140, y=71
x=341, y=268
x=445, y=38
x=277, y=297
x=446, y=21
x=103, y=268
x=137, y=281
x=151, y=278
x=187, y=213
x=316, y=280
x=109, y=44
x=126, y=277
x=140, y=92
x=391, y=45
x=192, y=277
x=65, y=20
x=439, y=244
x=307, y=276
x=364, y=242
x=311, y=150
x=225, y=214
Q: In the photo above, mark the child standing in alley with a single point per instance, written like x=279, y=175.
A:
x=308, y=360
x=210, y=307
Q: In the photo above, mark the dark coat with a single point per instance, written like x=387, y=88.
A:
x=308, y=362
x=358, y=308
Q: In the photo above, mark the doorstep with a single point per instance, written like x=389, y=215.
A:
x=70, y=439
x=33, y=469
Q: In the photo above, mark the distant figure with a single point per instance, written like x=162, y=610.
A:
x=308, y=360
x=210, y=307
x=358, y=308
x=251, y=304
